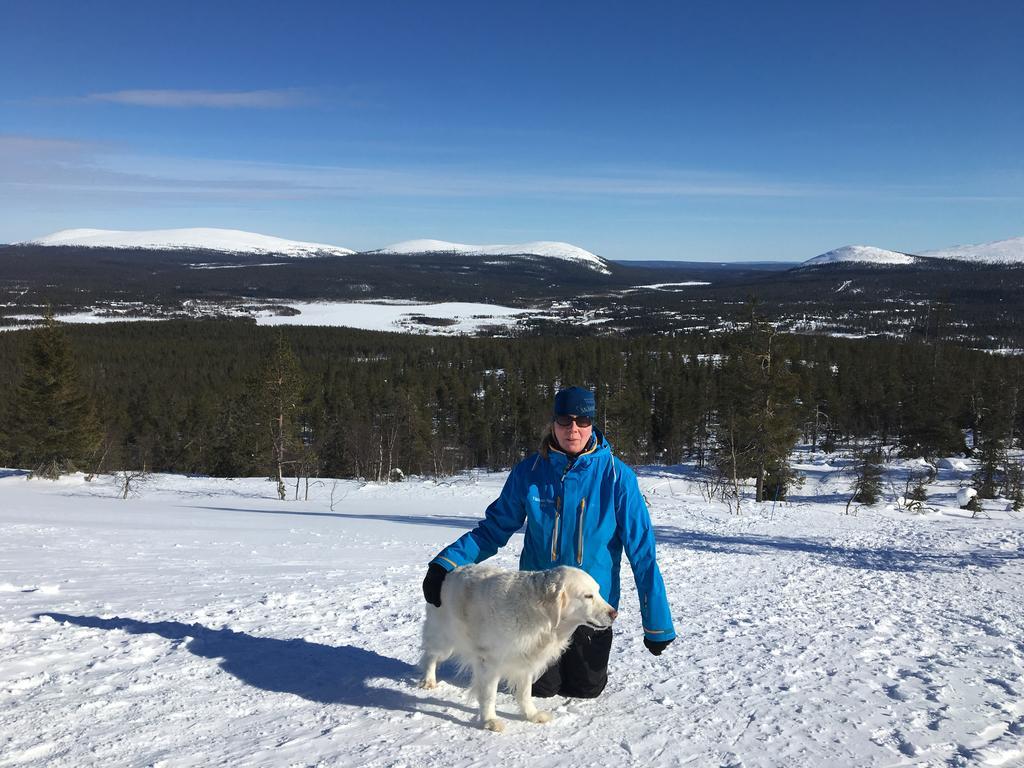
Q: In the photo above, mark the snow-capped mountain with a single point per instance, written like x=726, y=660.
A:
x=863, y=254
x=545, y=248
x=998, y=252
x=1007, y=252
x=208, y=238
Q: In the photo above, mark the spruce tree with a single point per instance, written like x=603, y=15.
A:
x=53, y=427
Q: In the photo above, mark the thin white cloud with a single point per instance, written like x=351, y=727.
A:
x=69, y=165
x=182, y=99
x=14, y=146
x=40, y=166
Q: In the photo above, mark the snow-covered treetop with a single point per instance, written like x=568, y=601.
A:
x=206, y=238
x=547, y=248
x=864, y=254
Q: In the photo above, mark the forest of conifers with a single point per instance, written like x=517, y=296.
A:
x=190, y=396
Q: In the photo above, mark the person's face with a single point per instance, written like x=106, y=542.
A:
x=572, y=438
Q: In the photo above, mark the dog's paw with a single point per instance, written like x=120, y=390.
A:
x=541, y=717
x=428, y=684
x=495, y=724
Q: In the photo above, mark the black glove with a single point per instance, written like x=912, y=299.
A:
x=654, y=646
x=432, y=584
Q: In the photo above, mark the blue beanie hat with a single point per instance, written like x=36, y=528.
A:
x=575, y=401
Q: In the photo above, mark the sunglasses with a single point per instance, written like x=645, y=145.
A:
x=581, y=421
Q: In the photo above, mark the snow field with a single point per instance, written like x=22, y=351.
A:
x=206, y=623
x=449, y=318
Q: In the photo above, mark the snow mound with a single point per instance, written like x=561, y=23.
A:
x=998, y=252
x=862, y=254
x=964, y=496
x=211, y=239
x=546, y=248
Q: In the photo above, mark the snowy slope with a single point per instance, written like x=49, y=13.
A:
x=229, y=240
x=206, y=623
x=999, y=252
x=860, y=254
x=545, y=248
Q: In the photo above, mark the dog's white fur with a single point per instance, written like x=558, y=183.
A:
x=508, y=625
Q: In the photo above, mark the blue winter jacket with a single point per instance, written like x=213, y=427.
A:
x=582, y=513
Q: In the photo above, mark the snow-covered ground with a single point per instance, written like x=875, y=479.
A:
x=445, y=318
x=449, y=318
x=203, y=623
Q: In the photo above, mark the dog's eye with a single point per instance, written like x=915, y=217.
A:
x=588, y=597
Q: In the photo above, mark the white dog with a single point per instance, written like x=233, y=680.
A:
x=508, y=625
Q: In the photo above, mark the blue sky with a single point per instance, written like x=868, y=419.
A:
x=726, y=131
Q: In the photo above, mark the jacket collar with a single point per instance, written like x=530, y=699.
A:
x=597, y=446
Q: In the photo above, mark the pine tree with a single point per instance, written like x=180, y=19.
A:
x=53, y=424
x=758, y=422
x=1013, y=486
x=930, y=426
x=992, y=403
x=867, y=484
x=989, y=476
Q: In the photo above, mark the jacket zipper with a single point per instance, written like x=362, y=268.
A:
x=579, y=531
x=558, y=520
x=558, y=513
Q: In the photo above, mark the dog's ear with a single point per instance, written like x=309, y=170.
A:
x=554, y=604
x=556, y=598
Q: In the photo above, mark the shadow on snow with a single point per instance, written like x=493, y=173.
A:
x=448, y=522
x=836, y=554
x=321, y=673
x=906, y=560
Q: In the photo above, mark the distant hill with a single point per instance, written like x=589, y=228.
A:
x=998, y=252
x=206, y=239
x=860, y=254
x=541, y=248
x=705, y=265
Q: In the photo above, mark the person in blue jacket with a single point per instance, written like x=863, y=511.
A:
x=582, y=507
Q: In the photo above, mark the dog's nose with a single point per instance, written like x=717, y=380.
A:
x=614, y=614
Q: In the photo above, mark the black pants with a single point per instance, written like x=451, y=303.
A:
x=582, y=671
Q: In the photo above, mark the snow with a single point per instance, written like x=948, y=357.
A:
x=546, y=248
x=456, y=317
x=999, y=252
x=203, y=622
x=228, y=240
x=669, y=286
x=863, y=254
x=964, y=496
x=442, y=319
x=1007, y=252
x=954, y=462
